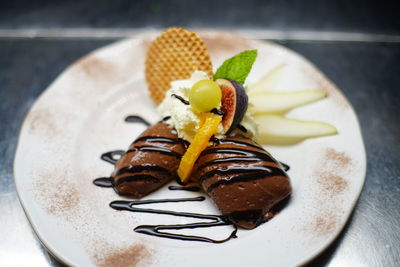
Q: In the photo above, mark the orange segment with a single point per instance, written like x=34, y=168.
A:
x=208, y=127
x=202, y=118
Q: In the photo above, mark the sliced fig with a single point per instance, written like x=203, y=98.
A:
x=233, y=103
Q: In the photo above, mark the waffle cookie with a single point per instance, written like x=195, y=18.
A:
x=174, y=55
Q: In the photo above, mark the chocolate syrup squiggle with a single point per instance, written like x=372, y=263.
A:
x=242, y=128
x=155, y=149
x=234, y=142
x=157, y=139
x=166, y=118
x=237, y=151
x=217, y=112
x=230, y=160
x=184, y=101
x=184, y=188
x=143, y=167
x=157, y=230
x=227, y=141
x=216, y=220
x=137, y=119
x=110, y=156
x=285, y=166
x=241, y=172
x=103, y=182
x=137, y=177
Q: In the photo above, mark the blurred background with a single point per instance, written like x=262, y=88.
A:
x=344, y=16
x=355, y=43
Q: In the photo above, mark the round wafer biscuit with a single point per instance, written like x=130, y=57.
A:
x=174, y=55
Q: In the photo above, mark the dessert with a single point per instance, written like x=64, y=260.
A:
x=243, y=180
x=209, y=137
x=150, y=162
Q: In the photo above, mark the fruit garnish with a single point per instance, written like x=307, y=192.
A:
x=269, y=81
x=204, y=96
x=278, y=130
x=199, y=143
x=234, y=103
x=281, y=102
x=238, y=67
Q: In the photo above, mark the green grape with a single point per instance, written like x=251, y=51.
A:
x=204, y=96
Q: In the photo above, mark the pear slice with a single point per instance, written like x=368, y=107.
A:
x=268, y=81
x=274, y=102
x=278, y=130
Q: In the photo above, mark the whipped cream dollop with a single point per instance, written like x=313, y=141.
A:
x=185, y=120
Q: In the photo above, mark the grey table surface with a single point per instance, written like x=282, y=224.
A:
x=365, y=67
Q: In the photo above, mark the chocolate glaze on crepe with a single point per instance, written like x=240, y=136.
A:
x=243, y=179
x=245, y=182
x=150, y=162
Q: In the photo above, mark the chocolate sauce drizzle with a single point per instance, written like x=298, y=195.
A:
x=113, y=156
x=242, y=128
x=231, y=160
x=160, y=150
x=217, y=111
x=240, y=172
x=143, y=167
x=166, y=118
x=228, y=141
x=155, y=139
x=137, y=119
x=285, y=166
x=137, y=177
x=110, y=157
x=132, y=169
x=243, y=173
x=238, y=151
x=151, y=139
x=157, y=230
x=103, y=182
x=233, y=142
x=184, y=188
x=184, y=101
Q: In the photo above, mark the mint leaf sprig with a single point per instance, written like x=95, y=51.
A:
x=238, y=67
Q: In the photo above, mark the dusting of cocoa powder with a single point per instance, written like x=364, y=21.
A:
x=95, y=67
x=329, y=176
x=220, y=44
x=335, y=158
x=321, y=81
x=64, y=199
x=136, y=255
x=331, y=183
x=325, y=224
x=41, y=121
x=59, y=198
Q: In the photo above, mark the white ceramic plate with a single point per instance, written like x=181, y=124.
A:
x=81, y=115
